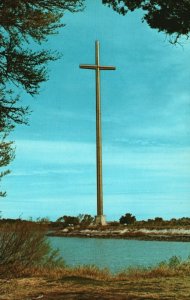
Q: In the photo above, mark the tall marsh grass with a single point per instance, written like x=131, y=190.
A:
x=173, y=268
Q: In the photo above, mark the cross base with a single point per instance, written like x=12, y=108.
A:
x=100, y=220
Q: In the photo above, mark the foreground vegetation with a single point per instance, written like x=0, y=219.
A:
x=174, y=288
x=24, y=246
x=166, y=281
x=29, y=269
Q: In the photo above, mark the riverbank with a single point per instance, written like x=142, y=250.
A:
x=73, y=288
x=169, y=281
x=178, y=235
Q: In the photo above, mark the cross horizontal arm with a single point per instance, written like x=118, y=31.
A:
x=107, y=68
x=94, y=67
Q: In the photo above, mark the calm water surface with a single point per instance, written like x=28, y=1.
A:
x=117, y=254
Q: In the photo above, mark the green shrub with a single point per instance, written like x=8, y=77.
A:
x=127, y=219
x=174, y=261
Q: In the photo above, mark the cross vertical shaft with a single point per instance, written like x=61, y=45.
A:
x=100, y=218
x=98, y=138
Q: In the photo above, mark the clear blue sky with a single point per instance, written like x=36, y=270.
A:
x=145, y=121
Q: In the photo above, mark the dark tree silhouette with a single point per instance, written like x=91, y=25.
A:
x=22, y=24
x=69, y=220
x=127, y=219
x=171, y=17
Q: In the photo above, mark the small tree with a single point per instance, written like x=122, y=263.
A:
x=127, y=219
x=85, y=220
x=69, y=220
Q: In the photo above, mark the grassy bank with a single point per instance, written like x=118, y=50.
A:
x=168, y=280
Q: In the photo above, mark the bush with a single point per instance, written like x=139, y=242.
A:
x=127, y=219
x=81, y=220
x=24, y=245
x=86, y=220
x=69, y=220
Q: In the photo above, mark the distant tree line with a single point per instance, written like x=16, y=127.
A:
x=129, y=219
x=175, y=222
x=85, y=220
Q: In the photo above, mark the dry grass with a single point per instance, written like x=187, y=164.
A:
x=23, y=246
x=76, y=287
x=167, y=281
x=175, y=267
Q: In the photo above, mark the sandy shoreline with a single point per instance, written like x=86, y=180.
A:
x=179, y=235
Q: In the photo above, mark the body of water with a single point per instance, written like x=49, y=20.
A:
x=117, y=254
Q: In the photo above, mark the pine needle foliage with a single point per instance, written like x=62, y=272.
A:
x=169, y=16
x=24, y=23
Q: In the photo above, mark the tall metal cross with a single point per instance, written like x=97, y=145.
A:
x=100, y=218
